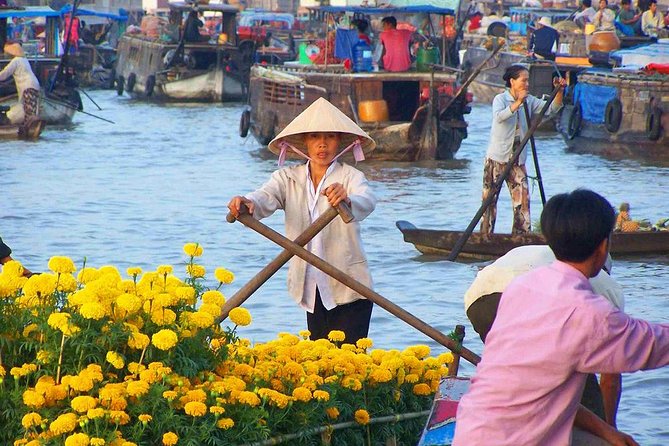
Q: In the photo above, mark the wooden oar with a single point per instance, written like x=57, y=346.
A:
x=471, y=78
x=268, y=271
x=358, y=287
x=498, y=184
x=535, y=157
x=429, y=138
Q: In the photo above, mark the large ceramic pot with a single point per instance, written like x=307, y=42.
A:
x=604, y=41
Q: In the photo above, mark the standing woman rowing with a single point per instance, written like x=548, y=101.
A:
x=509, y=127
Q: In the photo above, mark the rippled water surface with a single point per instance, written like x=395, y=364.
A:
x=133, y=193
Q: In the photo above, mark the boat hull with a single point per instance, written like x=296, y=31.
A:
x=279, y=94
x=490, y=246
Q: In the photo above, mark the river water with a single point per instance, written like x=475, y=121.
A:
x=132, y=193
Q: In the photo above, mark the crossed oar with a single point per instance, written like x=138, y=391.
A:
x=295, y=248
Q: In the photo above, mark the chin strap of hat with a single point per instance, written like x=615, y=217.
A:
x=355, y=146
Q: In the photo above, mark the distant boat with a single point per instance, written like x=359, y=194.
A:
x=491, y=246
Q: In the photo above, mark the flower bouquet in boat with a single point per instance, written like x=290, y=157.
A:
x=91, y=356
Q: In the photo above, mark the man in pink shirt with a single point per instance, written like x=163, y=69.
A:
x=396, y=56
x=550, y=331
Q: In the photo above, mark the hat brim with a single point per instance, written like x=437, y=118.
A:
x=297, y=140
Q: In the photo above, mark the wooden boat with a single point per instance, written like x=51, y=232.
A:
x=30, y=130
x=58, y=100
x=490, y=246
x=618, y=113
x=393, y=107
x=203, y=71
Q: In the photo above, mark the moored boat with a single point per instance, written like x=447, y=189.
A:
x=186, y=68
x=489, y=246
x=29, y=130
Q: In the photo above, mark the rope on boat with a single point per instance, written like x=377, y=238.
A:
x=332, y=427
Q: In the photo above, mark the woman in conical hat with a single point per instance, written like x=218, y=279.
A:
x=27, y=85
x=321, y=134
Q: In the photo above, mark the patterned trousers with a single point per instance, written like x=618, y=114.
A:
x=30, y=102
x=520, y=196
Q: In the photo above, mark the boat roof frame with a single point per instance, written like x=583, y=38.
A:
x=415, y=9
x=184, y=6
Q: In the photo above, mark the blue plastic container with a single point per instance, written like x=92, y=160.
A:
x=362, y=57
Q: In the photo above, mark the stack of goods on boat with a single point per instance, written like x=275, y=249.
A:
x=619, y=111
x=181, y=59
x=400, y=109
x=95, y=356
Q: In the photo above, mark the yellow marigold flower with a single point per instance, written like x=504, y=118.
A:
x=164, y=270
x=57, y=320
x=67, y=283
x=196, y=271
x=129, y=302
x=164, y=300
x=31, y=419
x=419, y=351
x=422, y=389
x=217, y=410
x=98, y=412
x=134, y=271
x=225, y=423
x=193, y=249
x=119, y=417
x=195, y=409
x=145, y=418
x=164, y=339
x=115, y=360
x=61, y=264
x=362, y=416
x=169, y=395
x=337, y=336
x=351, y=383
x=33, y=399
x=44, y=356
x=304, y=334
x=302, y=394
x=83, y=403
x=137, y=388
x=3, y=372
x=96, y=441
x=92, y=310
x=364, y=343
x=138, y=341
x=164, y=316
x=248, y=398
x=13, y=269
x=185, y=293
x=411, y=378
x=79, y=439
x=240, y=316
x=214, y=310
x=170, y=439
x=223, y=275
x=128, y=443
x=213, y=297
x=381, y=375
x=321, y=395
x=332, y=412
x=63, y=424
x=88, y=275
x=202, y=320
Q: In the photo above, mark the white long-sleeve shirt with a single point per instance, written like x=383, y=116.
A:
x=19, y=67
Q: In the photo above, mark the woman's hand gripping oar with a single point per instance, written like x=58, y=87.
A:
x=392, y=308
x=268, y=271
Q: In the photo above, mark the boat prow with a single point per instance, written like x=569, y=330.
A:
x=29, y=131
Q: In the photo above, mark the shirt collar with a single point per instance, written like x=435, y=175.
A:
x=569, y=270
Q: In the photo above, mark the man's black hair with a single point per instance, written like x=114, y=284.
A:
x=362, y=25
x=392, y=21
x=587, y=3
x=575, y=224
x=625, y=2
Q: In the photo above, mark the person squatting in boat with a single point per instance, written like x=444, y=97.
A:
x=509, y=127
x=482, y=300
x=304, y=192
x=550, y=331
x=27, y=85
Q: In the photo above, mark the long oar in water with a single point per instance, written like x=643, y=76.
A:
x=65, y=104
x=356, y=286
x=268, y=271
x=498, y=184
x=429, y=137
x=535, y=158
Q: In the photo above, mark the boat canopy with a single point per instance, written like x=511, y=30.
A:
x=28, y=11
x=121, y=16
x=414, y=9
x=248, y=18
x=217, y=7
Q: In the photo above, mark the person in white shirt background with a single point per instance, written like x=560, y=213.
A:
x=27, y=85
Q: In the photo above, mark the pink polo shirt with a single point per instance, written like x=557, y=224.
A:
x=396, y=43
x=550, y=331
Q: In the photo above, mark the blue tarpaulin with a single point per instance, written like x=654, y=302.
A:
x=429, y=9
x=42, y=11
x=593, y=100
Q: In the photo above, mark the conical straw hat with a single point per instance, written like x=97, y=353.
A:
x=321, y=116
x=14, y=49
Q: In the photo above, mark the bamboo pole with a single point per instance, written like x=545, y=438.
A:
x=498, y=184
x=535, y=157
x=332, y=427
x=358, y=287
x=268, y=271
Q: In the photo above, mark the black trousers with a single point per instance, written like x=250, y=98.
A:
x=353, y=319
x=482, y=314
